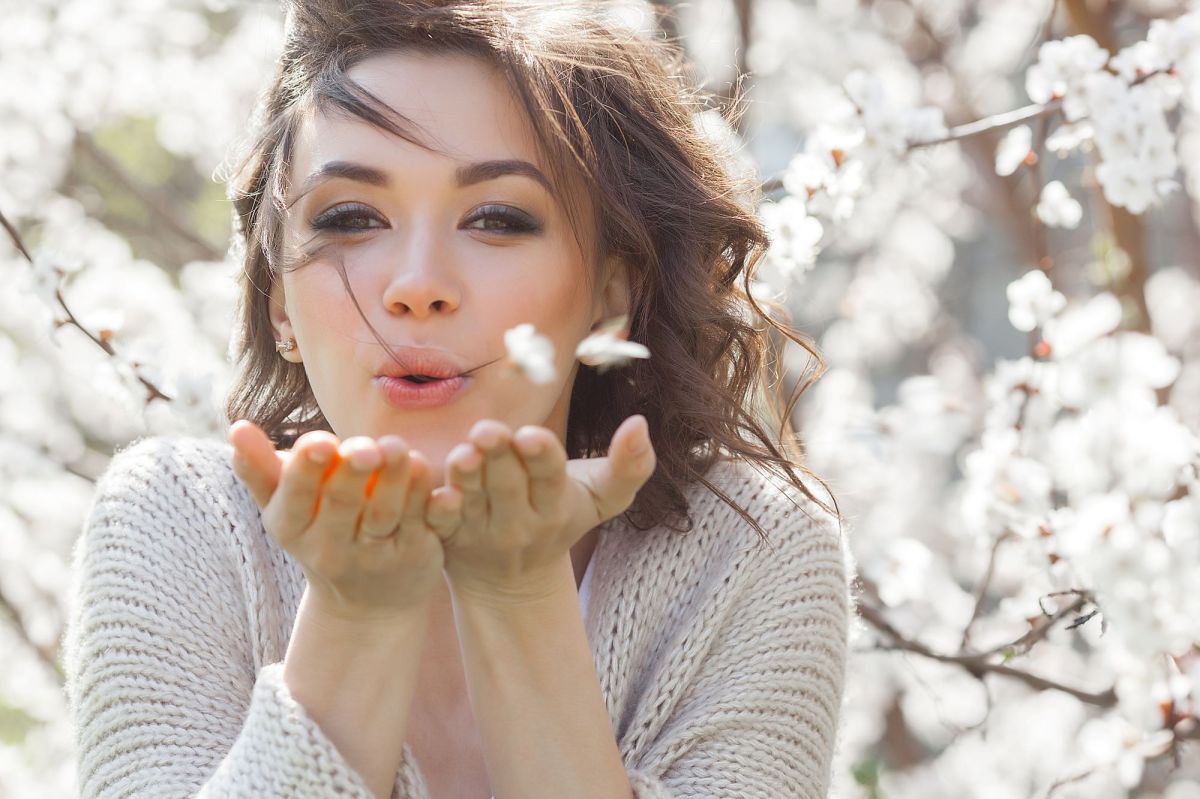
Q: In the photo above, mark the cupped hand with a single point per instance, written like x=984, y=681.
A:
x=521, y=504
x=359, y=517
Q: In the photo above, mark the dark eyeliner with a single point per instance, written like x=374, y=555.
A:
x=517, y=221
x=332, y=218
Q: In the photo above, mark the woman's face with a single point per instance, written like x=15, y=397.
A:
x=435, y=263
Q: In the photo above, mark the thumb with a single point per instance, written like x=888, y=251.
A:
x=255, y=460
x=629, y=464
x=631, y=448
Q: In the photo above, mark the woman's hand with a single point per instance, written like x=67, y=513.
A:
x=358, y=516
x=522, y=505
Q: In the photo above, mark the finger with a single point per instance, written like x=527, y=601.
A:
x=545, y=460
x=464, y=471
x=385, y=505
x=412, y=519
x=443, y=511
x=632, y=450
x=344, y=492
x=615, y=479
x=254, y=460
x=504, y=478
x=294, y=503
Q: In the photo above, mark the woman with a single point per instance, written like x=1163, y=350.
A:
x=613, y=617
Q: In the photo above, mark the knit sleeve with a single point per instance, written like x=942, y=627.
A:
x=759, y=719
x=164, y=698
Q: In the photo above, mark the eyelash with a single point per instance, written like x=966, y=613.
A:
x=333, y=219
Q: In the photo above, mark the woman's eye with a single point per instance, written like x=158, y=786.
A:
x=357, y=218
x=504, y=219
x=345, y=219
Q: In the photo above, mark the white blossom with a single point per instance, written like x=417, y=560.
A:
x=44, y=277
x=1057, y=208
x=1013, y=148
x=531, y=352
x=1135, y=142
x=1174, y=40
x=1126, y=184
x=1061, y=66
x=795, y=236
x=1111, y=743
x=1125, y=367
x=1076, y=326
x=1139, y=58
x=1181, y=523
x=609, y=346
x=1004, y=487
x=1033, y=300
x=1068, y=136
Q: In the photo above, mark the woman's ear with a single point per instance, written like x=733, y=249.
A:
x=280, y=323
x=277, y=313
x=614, y=299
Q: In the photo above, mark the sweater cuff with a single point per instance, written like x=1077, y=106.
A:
x=282, y=751
x=646, y=787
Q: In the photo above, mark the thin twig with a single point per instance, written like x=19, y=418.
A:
x=981, y=591
x=100, y=341
x=994, y=123
x=1063, y=781
x=978, y=664
x=1039, y=631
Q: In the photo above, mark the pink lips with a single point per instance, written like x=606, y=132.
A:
x=406, y=394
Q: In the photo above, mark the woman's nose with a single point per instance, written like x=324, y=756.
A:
x=422, y=285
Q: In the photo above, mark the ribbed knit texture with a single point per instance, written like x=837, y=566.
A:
x=585, y=587
x=721, y=661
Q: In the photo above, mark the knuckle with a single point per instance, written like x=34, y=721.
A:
x=328, y=561
x=410, y=525
x=342, y=497
x=508, y=490
x=378, y=518
x=395, y=477
x=299, y=480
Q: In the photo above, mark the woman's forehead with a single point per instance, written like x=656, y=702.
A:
x=459, y=108
x=456, y=104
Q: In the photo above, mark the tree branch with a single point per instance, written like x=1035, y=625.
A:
x=100, y=341
x=978, y=664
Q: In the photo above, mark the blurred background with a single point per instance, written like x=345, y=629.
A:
x=995, y=248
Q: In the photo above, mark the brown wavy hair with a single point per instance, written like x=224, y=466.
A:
x=610, y=108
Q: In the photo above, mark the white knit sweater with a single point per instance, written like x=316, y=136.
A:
x=721, y=662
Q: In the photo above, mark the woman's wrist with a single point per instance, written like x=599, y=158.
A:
x=356, y=678
x=344, y=619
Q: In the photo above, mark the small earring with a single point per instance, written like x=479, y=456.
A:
x=285, y=346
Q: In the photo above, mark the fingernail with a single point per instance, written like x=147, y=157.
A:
x=362, y=460
x=319, y=455
x=641, y=439
x=393, y=449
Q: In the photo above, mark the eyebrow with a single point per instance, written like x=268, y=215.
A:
x=465, y=175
